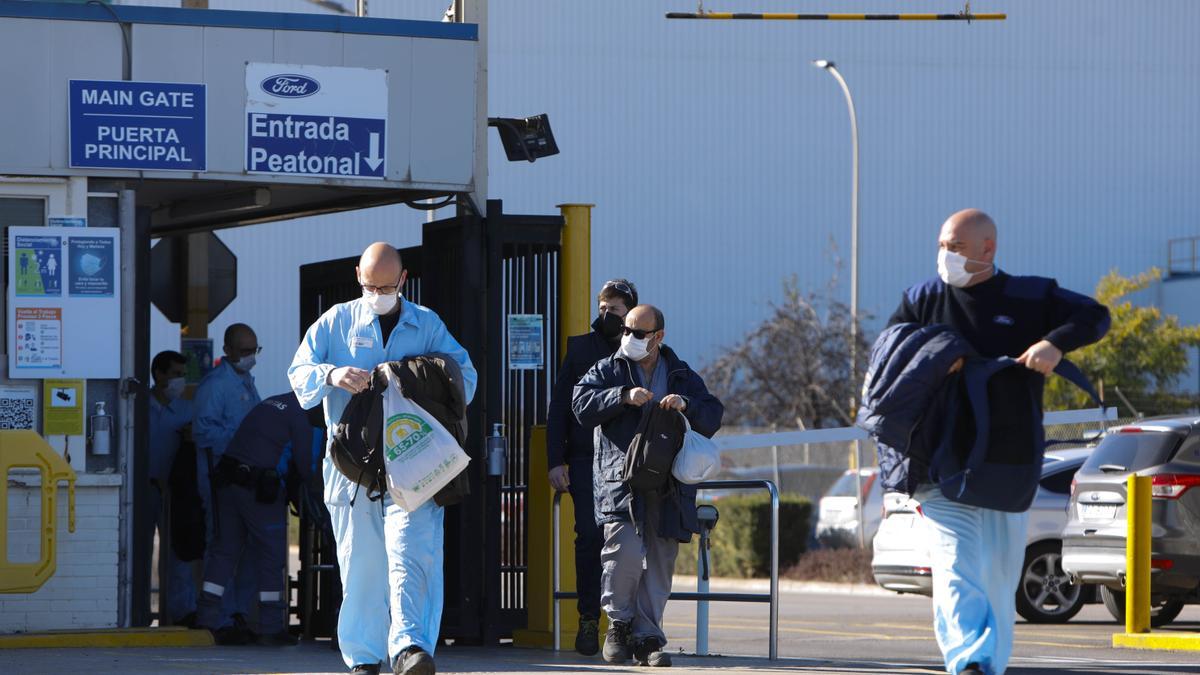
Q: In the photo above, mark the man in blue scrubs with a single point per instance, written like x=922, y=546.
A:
x=390, y=562
x=226, y=394
x=169, y=414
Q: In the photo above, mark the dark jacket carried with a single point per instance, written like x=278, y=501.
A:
x=978, y=434
x=566, y=438
x=433, y=382
x=597, y=403
x=905, y=396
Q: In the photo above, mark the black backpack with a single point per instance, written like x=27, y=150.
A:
x=652, y=451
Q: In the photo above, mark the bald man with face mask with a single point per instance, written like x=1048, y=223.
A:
x=977, y=553
x=390, y=562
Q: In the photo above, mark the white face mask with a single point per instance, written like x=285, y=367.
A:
x=379, y=303
x=633, y=348
x=952, y=268
x=245, y=363
x=175, y=387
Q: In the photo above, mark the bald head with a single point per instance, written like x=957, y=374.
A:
x=645, y=317
x=240, y=342
x=971, y=233
x=380, y=266
x=972, y=222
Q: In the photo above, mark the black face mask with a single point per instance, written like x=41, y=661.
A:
x=610, y=325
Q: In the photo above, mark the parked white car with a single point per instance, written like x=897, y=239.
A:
x=1046, y=595
x=837, y=518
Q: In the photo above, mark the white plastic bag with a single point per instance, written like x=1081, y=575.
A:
x=698, y=460
x=420, y=456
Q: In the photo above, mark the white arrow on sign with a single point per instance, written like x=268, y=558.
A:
x=373, y=159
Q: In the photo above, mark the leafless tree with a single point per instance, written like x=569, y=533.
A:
x=793, y=366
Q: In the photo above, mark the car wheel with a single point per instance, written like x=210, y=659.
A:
x=1162, y=611
x=1046, y=594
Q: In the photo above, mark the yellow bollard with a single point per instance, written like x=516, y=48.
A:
x=27, y=450
x=1137, y=554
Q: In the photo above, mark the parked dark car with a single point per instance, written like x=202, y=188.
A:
x=1167, y=450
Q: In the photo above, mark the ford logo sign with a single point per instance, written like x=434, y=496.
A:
x=290, y=86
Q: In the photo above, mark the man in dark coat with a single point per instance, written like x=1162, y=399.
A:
x=642, y=531
x=569, y=450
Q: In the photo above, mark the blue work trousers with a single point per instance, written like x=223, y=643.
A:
x=247, y=525
x=239, y=595
x=976, y=557
x=589, y=539
x=180, y=584
x=392, y=583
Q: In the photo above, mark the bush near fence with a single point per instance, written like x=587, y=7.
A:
x=741, y=543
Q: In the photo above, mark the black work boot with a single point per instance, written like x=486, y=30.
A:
x=971, y=669
x=243, y=626
x=365, y=669
x=616, y=642
x=229, y=636
x=648, y=652
x=414, y=661
x=281, y=639
x=587, y=640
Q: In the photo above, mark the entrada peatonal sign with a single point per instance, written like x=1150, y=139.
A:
x=316, y=120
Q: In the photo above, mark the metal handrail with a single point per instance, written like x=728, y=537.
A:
x=771, y=597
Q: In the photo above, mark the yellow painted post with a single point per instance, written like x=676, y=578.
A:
x=1137, y=555
x=539, y=574
x=575, y=305
x=26, y=450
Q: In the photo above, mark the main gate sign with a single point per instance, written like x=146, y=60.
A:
x=316, y=121
x=137, y=125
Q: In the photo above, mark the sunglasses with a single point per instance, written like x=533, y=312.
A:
x=624, y=288
x=639, y=334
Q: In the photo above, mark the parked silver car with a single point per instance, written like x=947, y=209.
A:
x=1046, y=594
x=837, y=511
x=1168, y=450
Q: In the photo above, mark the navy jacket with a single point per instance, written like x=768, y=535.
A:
x=268, y=428
x=905, y=394
x=1004, y=316
x=566, y=438
x=597, y=403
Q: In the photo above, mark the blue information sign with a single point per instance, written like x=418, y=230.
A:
x=315, y=145
x=137, y=125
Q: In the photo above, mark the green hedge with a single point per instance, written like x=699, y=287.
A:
x=741, y=543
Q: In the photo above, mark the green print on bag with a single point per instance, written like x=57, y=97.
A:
x=405, y=435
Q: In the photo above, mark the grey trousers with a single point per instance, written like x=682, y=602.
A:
x=636, y=572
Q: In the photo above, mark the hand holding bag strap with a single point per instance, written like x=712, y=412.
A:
x=1071, y=372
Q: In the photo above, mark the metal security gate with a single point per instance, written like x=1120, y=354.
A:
x=527, y=248
x=474, y=273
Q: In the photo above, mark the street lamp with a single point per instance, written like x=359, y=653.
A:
x=829, y=67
